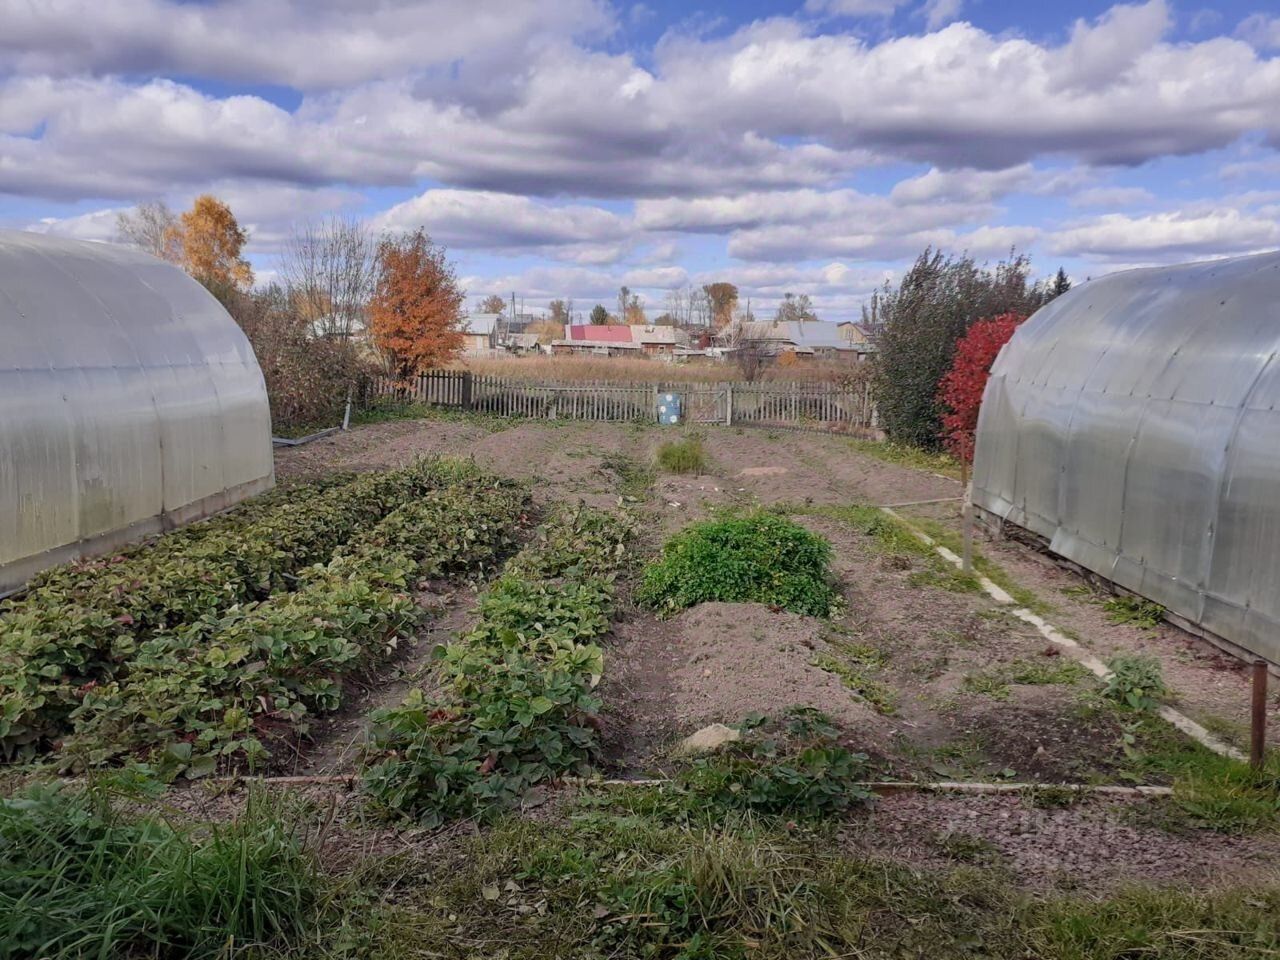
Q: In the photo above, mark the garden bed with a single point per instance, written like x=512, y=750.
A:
x=772, y=847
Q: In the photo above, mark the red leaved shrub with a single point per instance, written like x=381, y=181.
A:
x=960, y=390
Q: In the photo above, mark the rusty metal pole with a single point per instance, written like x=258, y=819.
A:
x=1258, y=726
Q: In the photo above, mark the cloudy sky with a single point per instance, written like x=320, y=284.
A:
x=563, y=147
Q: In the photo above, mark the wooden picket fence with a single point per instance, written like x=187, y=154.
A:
x=824, y=406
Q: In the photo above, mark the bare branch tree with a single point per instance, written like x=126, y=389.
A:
x=152, y=227
x=746, y=352
x=329, y=269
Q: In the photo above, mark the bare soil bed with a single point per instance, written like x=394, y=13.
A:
x=921, y=672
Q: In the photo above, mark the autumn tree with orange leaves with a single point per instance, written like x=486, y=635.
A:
x=416, y=303
x=211, y=240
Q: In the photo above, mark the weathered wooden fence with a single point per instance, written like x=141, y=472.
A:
x=827, y=406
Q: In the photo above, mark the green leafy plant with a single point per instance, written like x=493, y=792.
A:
x=1135, y=681
x=755, y=557
x=519, y=705
x=198, y=676
x=686, y=455
x=795, y=767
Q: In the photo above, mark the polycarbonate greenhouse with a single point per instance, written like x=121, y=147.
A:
x=130, y=402
x=1132, y=423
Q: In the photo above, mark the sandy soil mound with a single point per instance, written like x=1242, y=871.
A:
x=732, y=659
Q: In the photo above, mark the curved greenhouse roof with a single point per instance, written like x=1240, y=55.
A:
x=1132, y=423
x=130, y=402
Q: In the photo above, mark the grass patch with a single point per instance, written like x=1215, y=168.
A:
x=890, y=536
x=634, y=478
x=756, y=557
x=943, y=576
x=902, y=455
x=984, y=565
x=857, y=664
x=78, y=879
x=1045, y=671
x=1210, y=791
x=1134, y=611
x=893, y=538
x=609, y=879
x=686, y=455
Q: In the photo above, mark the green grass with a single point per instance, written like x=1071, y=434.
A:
x=857, y=666
x=634, y=872
x=890, y=535
x=1210, y=791
x=1133, y=610
x=78, y=879
x=984, y=565
x=609, y=879
x=686, y=455
x=903, y=455
x=995, y=683
x=635, y=480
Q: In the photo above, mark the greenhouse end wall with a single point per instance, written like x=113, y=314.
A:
x=130, y=402
x=1132, y=423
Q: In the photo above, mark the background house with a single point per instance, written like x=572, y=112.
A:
x=478, y=331
x=803, y=338
x=611, y=339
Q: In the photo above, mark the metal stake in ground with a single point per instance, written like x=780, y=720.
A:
x=1258, y=732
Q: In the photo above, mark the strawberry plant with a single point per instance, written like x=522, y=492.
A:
x=73, y=644
x=519, y=705
x=796, y=767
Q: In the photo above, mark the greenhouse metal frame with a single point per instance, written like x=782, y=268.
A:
x=130, y=402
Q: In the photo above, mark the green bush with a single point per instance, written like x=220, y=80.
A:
x=519, y=705
x=937, y=301
x=1135, y=681
x=751, y=558
x=687, y=455
x=79, y=880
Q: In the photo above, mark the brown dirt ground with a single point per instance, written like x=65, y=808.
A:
x=931, y=638
x=1099, y=842
x=721, y=661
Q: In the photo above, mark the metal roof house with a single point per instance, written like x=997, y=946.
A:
x=1132, y=424
x=804, y=338
x=130, y=402
x=605, y=339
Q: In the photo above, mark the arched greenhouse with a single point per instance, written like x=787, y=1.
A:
x=130, y=402
x=1132, y=424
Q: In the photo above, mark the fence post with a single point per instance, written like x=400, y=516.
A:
x=728, y=404
x=466, y=390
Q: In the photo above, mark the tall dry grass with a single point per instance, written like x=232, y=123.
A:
x=652, y=370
